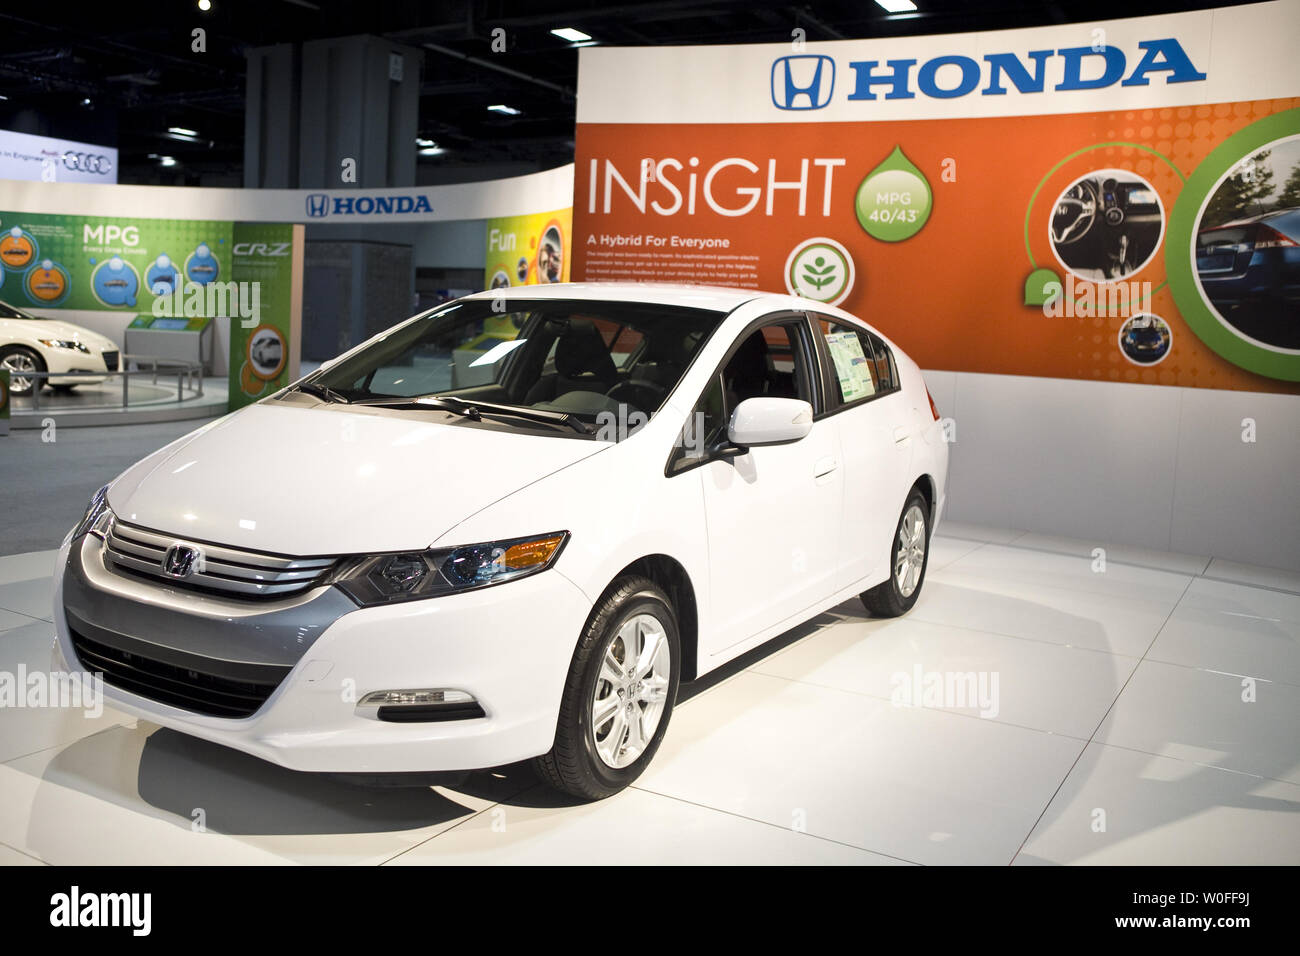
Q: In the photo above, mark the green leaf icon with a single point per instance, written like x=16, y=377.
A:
x=819, y=272
x=895, y=200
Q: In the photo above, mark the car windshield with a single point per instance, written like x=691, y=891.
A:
x=7, y=311
x=589, y=360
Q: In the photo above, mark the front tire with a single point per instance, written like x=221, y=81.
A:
x=21, y=362
x=908, y=558
x=619, y=695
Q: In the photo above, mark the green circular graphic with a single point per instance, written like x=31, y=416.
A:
x=894, y=201
x=820, y=269
x=1029, y=210
x=1180, y=265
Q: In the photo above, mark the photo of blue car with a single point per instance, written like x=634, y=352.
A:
x=1145, y=339
x=1248, y=247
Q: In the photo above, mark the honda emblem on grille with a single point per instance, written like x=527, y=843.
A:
x=180, y=560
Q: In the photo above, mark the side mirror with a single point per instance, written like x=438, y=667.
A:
x=769, y=421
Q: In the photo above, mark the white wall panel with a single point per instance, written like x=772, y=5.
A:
x=1143, y=465
x=1236, y=499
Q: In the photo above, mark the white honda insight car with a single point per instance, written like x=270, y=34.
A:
x=507, y=529
x=29, y=343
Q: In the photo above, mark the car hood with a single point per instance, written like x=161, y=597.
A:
x=316, y=481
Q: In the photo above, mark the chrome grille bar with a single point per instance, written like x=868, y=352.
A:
x=224, y=569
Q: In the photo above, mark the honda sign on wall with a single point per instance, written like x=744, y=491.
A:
x=44, y=159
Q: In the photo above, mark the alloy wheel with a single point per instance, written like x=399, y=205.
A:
x=19, y=363
x=910, y=559
x=631, y=690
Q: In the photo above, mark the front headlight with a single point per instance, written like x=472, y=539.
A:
x=410, y=576
x=65, y=344
x=98, y=517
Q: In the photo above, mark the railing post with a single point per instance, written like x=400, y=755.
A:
x=37, y=383
x=126, y=381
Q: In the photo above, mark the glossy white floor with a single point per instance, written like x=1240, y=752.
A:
x=1120, y=736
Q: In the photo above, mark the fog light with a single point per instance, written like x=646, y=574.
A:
x=419, y=706
x=415, y=698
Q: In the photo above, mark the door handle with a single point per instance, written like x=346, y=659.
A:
x=901, y=434
x=824, y=466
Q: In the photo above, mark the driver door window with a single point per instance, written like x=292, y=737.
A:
x=774, y=361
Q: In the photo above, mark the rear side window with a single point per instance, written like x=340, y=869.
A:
x=861, y=364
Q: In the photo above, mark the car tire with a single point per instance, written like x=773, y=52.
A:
x=18, y=358
x=909, y=556
x=586, y=761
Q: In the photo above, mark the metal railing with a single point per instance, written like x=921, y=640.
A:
x=189, y=378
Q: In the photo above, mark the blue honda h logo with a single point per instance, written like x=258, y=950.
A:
x=317, y=205
x=802, y=82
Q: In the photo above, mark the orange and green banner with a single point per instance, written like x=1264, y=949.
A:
x=1114, y=201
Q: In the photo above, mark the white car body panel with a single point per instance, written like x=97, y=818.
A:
x=361, y=487
x=765, y=541
x=30, y=332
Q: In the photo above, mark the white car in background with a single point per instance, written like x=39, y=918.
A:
x=406, y=577
x=29, y=343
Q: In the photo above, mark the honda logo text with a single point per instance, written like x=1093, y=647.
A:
x=320, y=205
x=807, y=81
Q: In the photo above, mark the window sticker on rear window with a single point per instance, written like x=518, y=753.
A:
x=851, y=366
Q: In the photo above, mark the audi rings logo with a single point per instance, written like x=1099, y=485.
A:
x=88, y=162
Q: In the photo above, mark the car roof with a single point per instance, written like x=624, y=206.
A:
x=715, y=298
x=1261, y=217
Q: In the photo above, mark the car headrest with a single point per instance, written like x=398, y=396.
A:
x=582, y=351
x=748, y=366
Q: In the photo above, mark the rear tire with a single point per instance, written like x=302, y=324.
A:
x=909, y=556
x=619, y=694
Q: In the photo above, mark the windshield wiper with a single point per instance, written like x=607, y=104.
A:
x=323, y=391
x=476, y=410
x=541, y=415
x=456, y=406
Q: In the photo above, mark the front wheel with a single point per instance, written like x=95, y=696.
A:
x=619, y=694
x=22, y=362
x=908, y=558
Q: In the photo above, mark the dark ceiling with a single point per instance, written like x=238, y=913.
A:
x=119, y=75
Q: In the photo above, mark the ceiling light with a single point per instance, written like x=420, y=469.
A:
x=205, y=5
x=167, y=160
x=424, y=143
x=432, y=151
x=897, y=6
x=502, y=108
x=182, y=131
x=577, y=36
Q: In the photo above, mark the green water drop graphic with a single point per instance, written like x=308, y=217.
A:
x=894, y=201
